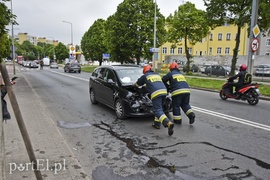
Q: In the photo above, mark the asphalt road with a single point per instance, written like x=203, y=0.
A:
x=229, y=140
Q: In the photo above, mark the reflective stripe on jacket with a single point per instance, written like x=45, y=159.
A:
x=154, y=84
x=178, y=83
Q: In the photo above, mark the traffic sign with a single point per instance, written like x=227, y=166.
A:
x=106, y=56
x=255, y=44
x=256, y=31
x=154, y=49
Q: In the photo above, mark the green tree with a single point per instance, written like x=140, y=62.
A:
x=237, y=13
x=5, y=18
x=61, y=52
x=130, y=31
x=29, y=51
x=188, y=23
x=93, y=41
x=4, y=46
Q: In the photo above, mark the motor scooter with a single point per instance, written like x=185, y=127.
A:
x=249, y=93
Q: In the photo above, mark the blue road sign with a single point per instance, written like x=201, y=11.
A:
x=106, y=56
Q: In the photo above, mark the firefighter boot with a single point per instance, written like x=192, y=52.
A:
x=191, y=117
x=177, y=121
x=170, y=126
x=156, y=123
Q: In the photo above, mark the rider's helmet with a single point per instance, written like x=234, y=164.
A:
x=243, y=67
x=173, y=66
x=147, y=68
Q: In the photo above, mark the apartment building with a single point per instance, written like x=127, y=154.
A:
x=219, y=42
x=21, y=37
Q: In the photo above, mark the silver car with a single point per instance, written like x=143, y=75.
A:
x=54, y=65
x=263, y=70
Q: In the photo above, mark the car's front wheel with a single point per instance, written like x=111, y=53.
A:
x=93, y=97
x=119, y=109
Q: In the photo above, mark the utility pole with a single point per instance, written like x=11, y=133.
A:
x=254, y=18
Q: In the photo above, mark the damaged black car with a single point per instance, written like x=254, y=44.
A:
x=113, y=87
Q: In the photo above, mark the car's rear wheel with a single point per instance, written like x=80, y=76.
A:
x=119, y=109
x=93, y=97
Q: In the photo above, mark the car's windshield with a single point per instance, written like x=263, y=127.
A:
x=128, y=76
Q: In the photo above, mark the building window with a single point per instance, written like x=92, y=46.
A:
x=180, y=50
x=227, y=50
x=219, y=36
x=172, y=51
x=219, y=50
x=180, y=39
x=228, y=36
x=164, y=50
x=190, y=50
x=211, y=37
x=210, y=51
x=267, y=42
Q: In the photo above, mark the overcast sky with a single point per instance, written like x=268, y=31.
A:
x=44, y=18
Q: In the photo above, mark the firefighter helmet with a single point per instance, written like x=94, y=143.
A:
x=146, y=68
x=173, y=66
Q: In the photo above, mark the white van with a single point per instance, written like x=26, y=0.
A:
x=46, y=61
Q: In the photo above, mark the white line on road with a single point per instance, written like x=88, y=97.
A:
x=232, y=118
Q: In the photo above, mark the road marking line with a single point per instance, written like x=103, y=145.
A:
x=232, y=118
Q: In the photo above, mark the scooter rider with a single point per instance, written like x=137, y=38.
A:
x=180, y=94
x=158, y=92
x=241, y=79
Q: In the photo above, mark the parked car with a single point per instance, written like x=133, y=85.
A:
x=33, y=64
x=54, y=65
x=263, y=70
x=202, y=68
x=113, y=87
x=192, y=67
x=217, y=70
x=72, y=67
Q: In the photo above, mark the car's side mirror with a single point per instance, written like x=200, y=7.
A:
x=110, y=81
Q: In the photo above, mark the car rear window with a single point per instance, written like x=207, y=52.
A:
x=75, y=64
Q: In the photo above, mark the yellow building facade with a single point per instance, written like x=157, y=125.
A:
x=219, y=42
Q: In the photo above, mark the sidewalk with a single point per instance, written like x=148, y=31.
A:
x=55, y=158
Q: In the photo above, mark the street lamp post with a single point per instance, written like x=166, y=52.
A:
x=71, y=34
x=71, y=31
